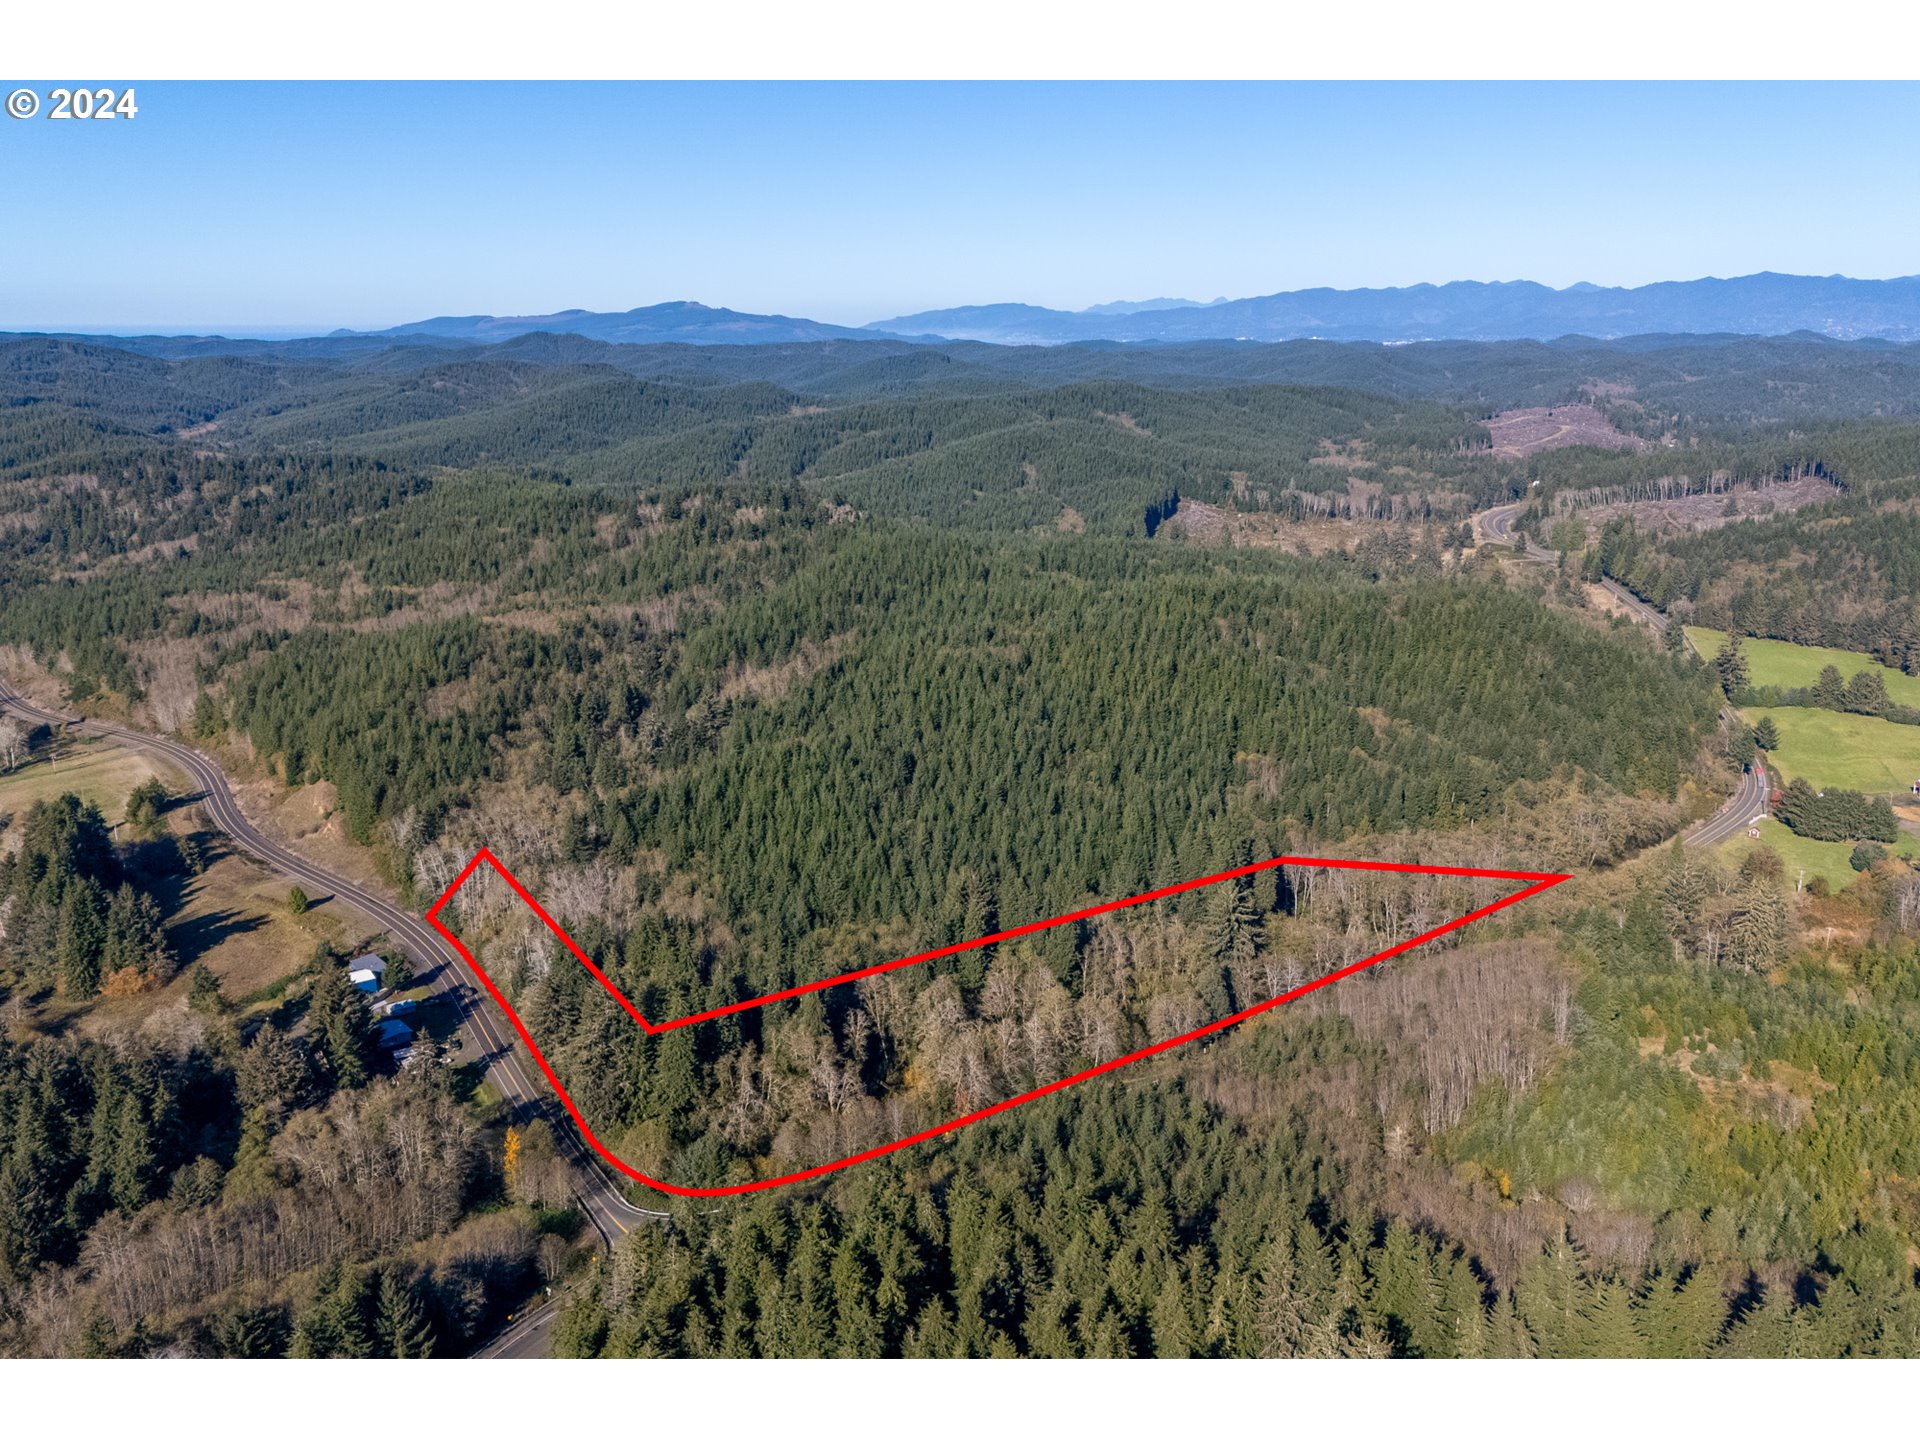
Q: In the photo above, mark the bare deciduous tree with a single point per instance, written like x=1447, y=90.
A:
x=13, y=742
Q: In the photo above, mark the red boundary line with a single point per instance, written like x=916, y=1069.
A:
x=1538, y=882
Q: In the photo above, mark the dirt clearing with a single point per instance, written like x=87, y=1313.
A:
x=1519, y=433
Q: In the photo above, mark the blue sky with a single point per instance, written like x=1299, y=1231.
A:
x=264, y=208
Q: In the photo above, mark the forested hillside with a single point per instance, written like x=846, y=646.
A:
x=248, y=1184
x=1664, y=1194
x=1845, y=574
x=765, y=665
x=983, y=436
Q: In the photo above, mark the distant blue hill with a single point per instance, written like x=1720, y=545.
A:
x=1136, y=307
x=1833, y=307
x=685, y=321
x=1765, y=304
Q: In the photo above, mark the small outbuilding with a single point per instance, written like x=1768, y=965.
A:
x=367, y=972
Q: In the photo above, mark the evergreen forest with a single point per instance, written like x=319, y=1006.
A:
x=764, y=664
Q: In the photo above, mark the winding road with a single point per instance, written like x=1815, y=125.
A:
x=1749, y=799
x=601, y=1198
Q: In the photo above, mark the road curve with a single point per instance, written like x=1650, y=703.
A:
x=1748, y=803
x=1749, y=798
x=600, y=1197
x=1498, y=525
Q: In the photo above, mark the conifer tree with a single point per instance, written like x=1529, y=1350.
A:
x=333, y=1321
x=1550, y=1298
x=83, y=934
x=1829, y=689
x=134, y=1163
x=1235, y=932
x=145, y=807
x=932, y=1334
x=979, y=916
x=1683, y=901
x=1776, y=1328
x=580, y=1330
x=856, y=1324
x=1406, y=1300
x=203, y=994
x=1607, y=1329
x=251, y=1332
x=340, y=1019
x=98, y=1339
x=1507, y=1335
x=1680, y=1319
x=135, y=938
x=1730, y=665
x=1759, y=927
x=401, y=1327
x=1463, y=1313
x=1172, y=1322
x=1866, y=693
x=1285, y=1313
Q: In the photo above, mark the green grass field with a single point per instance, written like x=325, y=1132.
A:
x=103, y=773
x=1850, y=752
x=1826, y=858
x=1775, y=662
x=233, y=917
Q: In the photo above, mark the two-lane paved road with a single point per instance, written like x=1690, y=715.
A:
x=1748, y=803
x=1497, y=524
x=1749, y=799
x=600, y=1197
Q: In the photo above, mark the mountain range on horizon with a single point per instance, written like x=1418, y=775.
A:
x=691, y=322
x=1764, y=304
x=1834, y=306
x=677, y=320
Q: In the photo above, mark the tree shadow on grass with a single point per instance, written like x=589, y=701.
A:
x=193, y=939
x=160, y=866
x=464, y=1080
